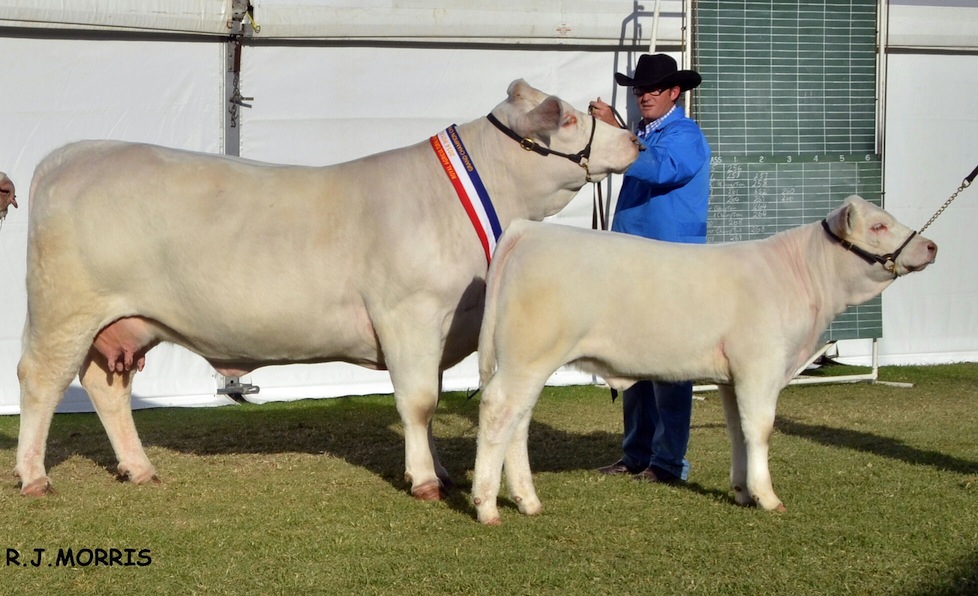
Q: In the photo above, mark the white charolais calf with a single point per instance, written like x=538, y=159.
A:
x=8, y=195
x=746, y=315
x=374, y=262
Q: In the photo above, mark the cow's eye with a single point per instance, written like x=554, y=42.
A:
x=878, y=228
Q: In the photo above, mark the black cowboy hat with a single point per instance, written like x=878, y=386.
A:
x=659, y=71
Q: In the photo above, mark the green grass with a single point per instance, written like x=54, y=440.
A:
x=881, y=485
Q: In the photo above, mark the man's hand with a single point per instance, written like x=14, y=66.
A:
x=603, y=112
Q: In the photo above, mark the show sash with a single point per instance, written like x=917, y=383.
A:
x=468, y=185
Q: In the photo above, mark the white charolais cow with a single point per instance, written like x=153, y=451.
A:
x=374, y=262
x=8, y=195
x=747, y=315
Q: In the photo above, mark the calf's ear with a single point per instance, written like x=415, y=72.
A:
x=840, y=220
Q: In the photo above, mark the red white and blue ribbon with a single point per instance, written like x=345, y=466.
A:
x=468, y=185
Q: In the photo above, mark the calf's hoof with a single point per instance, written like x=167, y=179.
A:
x=146, y=476
x=528, y=506
x=39, y=488
x=486, y=512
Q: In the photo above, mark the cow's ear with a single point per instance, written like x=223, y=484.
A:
x=545, y=118
x=517, y=89
x=520, y=90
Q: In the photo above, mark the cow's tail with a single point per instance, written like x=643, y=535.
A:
x=487, y=339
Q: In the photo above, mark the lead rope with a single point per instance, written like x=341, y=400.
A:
x=964, y=184
x=598, y=221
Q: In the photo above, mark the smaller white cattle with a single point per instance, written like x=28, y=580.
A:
x=746, y=315
x=8, y=195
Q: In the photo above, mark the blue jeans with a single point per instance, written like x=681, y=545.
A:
x=657, y=419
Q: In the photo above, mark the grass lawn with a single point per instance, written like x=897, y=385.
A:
x=881, y=485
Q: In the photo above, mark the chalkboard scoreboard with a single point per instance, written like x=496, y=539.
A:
x=788, y=103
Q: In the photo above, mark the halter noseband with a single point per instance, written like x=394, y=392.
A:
x=888, y=261
x=528, y=144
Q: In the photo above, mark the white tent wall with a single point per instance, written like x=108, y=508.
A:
x=334, y=80
x=60, y=90
x=929, y=133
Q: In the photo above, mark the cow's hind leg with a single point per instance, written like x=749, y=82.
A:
x=111, y=394
x=49, y=360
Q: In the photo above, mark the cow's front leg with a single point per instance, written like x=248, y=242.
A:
x=757, y=401
x=111, y=394
x=417, y=384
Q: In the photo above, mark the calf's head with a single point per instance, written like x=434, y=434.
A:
x=890, y=247
x=8, y=195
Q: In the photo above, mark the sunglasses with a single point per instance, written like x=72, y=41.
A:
x=640, y=91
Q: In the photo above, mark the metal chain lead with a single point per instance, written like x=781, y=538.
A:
x=964, y=184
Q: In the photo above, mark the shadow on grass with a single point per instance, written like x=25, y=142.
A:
x=363, y=432
x=963, y=579
x=875, y=444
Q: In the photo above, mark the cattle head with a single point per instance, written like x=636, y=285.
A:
x=564, y=133
x=8, y=195
x=879, y=239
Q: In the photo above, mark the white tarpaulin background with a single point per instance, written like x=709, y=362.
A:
x=335, y=80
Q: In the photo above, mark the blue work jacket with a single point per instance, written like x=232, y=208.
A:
x=665, y=193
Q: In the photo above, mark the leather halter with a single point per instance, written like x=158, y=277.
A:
x=888, y=261
x=528, y=144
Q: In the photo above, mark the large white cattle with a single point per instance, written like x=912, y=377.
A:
x=746, y=315
x=373, y=262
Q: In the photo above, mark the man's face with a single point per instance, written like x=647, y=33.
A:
x=655, y=102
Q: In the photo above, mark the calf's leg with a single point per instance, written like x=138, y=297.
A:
x=504, y=419
x=519, y=478
x=756, y=402
x=738, y=447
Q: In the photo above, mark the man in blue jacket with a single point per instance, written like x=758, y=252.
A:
x=664, y=196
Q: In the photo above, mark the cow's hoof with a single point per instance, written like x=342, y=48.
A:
x=429, y=491
x=38, y=488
